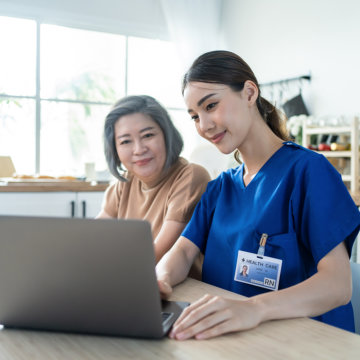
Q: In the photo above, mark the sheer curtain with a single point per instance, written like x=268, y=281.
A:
x=194, y=26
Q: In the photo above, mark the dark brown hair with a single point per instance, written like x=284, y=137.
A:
x=227, y=68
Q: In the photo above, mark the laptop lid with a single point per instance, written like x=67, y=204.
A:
x=80, y=275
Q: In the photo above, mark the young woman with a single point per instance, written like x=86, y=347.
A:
x=284, y=212
x=142, y=148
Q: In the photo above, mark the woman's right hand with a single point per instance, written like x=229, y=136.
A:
x=165, y=289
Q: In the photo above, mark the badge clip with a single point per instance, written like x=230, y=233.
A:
x=261, y=250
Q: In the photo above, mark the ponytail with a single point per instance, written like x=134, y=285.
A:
x=273, y=118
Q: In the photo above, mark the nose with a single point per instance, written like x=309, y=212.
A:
x=139, y=147
x=205, y=124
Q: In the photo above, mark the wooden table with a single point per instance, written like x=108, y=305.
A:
x=300, y=338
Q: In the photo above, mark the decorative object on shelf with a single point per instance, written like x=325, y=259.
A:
x=294, y=125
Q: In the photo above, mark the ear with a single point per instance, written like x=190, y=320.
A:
x=251, y=91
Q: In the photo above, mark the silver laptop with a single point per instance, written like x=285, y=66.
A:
x=81, y=275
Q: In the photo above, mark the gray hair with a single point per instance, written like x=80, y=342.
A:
x=146, y=105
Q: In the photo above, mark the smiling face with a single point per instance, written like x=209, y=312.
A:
x=221, y=115
x=140, y=145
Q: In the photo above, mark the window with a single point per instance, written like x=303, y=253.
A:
x=81, y=65
x=18, y=50
x=17, y=74
x=59, y=83
x=82, y=73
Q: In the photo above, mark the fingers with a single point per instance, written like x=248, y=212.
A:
x=190, y=309
x=213, y=325
x=202, y=315
x=213, y=316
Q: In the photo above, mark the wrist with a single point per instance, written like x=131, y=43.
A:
x=261, y=308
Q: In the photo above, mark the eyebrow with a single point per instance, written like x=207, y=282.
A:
x=141, y=131
x=200, y=102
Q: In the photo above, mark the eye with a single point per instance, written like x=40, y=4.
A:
x=195, y=118
x=211, y=106
x=148, y=135
x=124, y=142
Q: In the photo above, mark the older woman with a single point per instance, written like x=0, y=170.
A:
x=142, y=148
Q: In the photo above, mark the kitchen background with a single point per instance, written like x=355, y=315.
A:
x=144, y=46
x=63, y=63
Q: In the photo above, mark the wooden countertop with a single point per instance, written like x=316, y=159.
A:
x=76, y=186
x=300, y=338
x=51, y=186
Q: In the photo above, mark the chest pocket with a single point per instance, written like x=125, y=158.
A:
x=287, y=248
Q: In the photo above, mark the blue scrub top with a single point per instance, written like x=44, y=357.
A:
x=298, y=199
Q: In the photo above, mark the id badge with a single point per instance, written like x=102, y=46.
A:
x=262, y=271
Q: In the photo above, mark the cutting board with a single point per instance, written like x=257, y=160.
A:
x=7, y=168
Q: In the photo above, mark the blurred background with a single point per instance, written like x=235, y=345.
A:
x=64, y=63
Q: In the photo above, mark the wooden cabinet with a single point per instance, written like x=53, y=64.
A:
x=348, y=133
x=57, y=204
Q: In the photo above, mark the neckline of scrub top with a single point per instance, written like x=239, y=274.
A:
x=258, y=174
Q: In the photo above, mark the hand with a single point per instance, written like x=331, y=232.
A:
x=165, y=289
x=213, y=316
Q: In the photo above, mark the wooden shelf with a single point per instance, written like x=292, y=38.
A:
x=352, y=132
x=341, y=154
x=328, y=130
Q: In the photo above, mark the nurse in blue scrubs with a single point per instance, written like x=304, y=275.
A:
x=284, y=213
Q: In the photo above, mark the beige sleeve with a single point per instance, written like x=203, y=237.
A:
x=186, y=192
x=112, y=199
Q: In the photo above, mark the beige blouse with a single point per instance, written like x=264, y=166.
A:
x=174, y=197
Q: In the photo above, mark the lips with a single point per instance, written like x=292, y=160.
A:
x=143, y=162
x=218, y=137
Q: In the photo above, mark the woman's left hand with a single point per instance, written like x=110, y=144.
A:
x=212, y=316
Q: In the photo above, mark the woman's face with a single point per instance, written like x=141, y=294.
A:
x=221, y=115
x=140, y=145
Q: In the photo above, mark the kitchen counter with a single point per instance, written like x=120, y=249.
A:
x=51, y=186
x=39, y=186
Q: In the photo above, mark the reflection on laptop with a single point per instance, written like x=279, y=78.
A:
x=81, y=275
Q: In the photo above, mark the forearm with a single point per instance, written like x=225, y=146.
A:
x=174, y=267
x=329, y=288
x=310, y=298
x=169, y=233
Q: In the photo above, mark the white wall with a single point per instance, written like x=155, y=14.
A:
x=278, y=38
x=286, y=38
x=130, y=17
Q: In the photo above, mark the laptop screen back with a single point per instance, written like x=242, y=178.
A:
x=79, y=275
